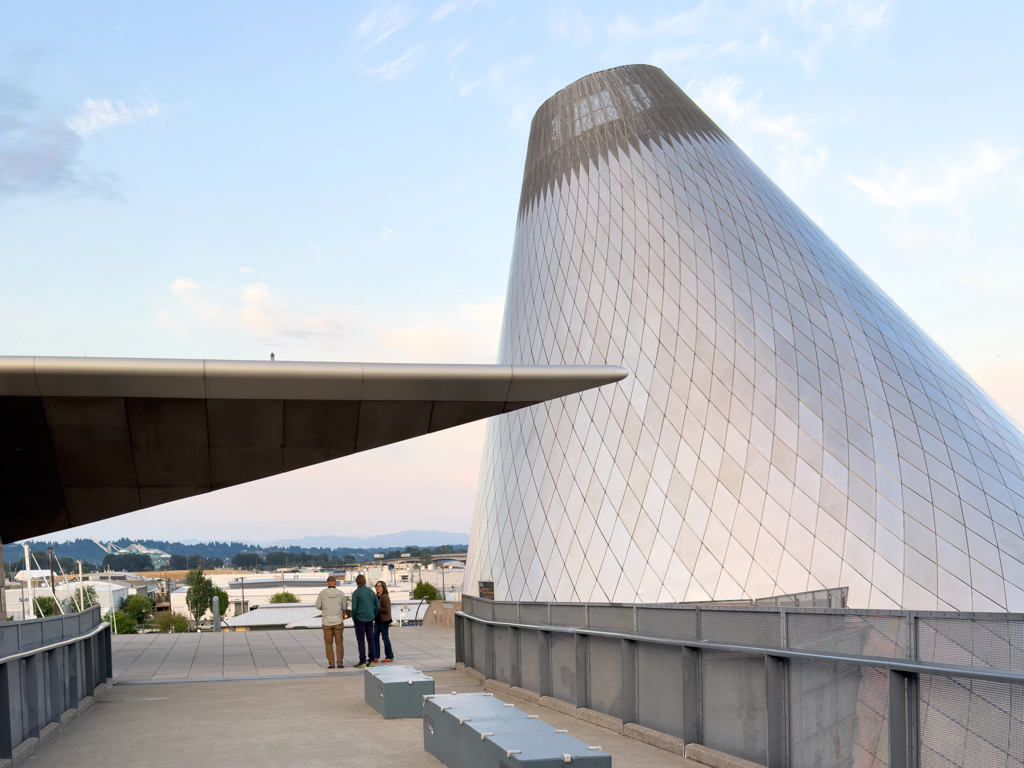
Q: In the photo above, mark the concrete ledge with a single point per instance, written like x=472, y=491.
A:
x=497, y=685
x=712, y=757
x=67, y=717
x=25, y=750
x=525, y=695
x=475, y=676
x=655, y=738
x=85, y=703
x=460, y=666
x=598, y=718
x=558, y=705
x=47, y=732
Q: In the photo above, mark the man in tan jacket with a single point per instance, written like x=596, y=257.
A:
x=331, y=603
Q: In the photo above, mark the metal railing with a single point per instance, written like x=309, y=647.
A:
x=47, y=666
x=782, y=687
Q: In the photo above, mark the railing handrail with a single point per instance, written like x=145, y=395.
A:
x=879, y=662
x=53, y=646
x=887, y=612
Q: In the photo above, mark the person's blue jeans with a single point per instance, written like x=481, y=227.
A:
x=381, y=630
x=364, y=638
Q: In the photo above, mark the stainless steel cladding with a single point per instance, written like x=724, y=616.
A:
x=786, y=427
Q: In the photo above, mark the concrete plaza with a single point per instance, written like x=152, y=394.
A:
x=209, y=656
x=297, y=721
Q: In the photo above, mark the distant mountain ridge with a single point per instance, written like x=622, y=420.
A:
x=400, y=539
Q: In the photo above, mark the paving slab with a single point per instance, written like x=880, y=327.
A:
x=267, y=653
x=284, y=722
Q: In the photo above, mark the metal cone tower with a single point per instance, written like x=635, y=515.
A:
x=786, y=426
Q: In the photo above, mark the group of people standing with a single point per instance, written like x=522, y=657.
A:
x=371, y=614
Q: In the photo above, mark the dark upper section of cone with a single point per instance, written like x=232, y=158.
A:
x=601, y=114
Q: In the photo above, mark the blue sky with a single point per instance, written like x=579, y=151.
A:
x=334, y=181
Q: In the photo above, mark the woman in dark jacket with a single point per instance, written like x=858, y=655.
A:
x=381, y=624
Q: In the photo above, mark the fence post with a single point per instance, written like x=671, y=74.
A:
x=488, y=669
x=776, y=710
x=898, y=757
x=33, y=687
x=460, y=653
x=582, y=670
x=6, y=734
x=544, y=652
x=630, y=705
x=691, y=696
x=515, y=671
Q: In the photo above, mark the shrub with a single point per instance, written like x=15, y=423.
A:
x=138, y=607
x=122, y=622
x=424, y=591
x=284, y=597
x=45, y=606
x=222, y=598
x=169, y=621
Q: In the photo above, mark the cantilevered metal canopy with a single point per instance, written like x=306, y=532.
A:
x=84, y=439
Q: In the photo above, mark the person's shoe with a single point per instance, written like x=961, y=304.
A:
x=387, y=661
x=374, y=661
x=361, y=665
x=341, y=666
x=330, y=666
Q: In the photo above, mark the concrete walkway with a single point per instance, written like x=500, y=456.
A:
x=210, y=656
x=285, y=722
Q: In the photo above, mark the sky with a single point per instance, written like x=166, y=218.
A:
x=339, y=181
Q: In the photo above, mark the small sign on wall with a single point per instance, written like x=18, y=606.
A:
x=486, y=590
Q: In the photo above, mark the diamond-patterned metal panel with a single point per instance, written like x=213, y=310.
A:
x=786, y=426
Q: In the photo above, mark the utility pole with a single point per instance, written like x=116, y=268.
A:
x=28, y=578
x=81, y=589
x=53, y=591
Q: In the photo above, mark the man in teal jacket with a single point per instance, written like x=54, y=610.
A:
x=364, y=609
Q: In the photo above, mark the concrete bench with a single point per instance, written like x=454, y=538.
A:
x=476, y=729
x=396, y=691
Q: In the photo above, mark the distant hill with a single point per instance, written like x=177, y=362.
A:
x=400, y=539
x=84, y=549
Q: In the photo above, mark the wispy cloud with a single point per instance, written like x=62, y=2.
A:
x=183, y=284
x=943, y=184
x=383, y=21
x=569, y=24
x=247, y=270
x=400, y=66
x=800, y=29
x=97, y=114
x=255, y=313
x=796, y=154
x=450, y=6
x=830, y=20
x=40, y=153
x=457, y=51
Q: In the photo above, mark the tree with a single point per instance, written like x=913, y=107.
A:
x=46, y=606
x=278, y=559
x=215, y=562
x=122, y=622
x=349, y=559
x=128, y=561
x=169, y=621
x=199, y=595
x=425, y=557
x=284, y=597
x=90, y=599
x=177, y=563
x=424, y=591
x=246, y=560
x=222, y=600
x=138, y=608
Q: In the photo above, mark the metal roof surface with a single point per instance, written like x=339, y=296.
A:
x=273, y=616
